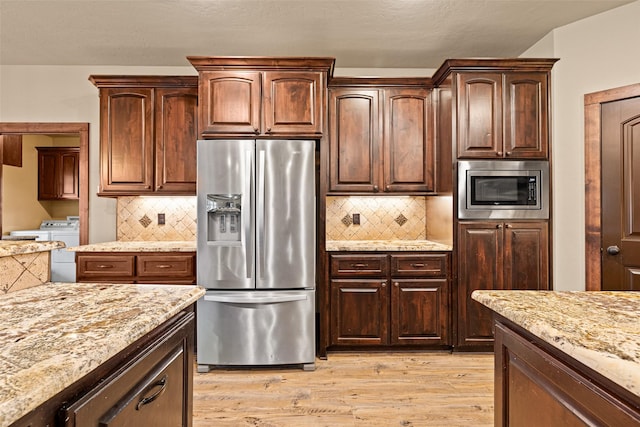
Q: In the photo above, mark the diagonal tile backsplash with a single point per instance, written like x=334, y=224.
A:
x=381, y=218
x=137, y=218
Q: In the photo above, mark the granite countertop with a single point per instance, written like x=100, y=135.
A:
x=56, y=333
x=138, y=246
x=598, y=329
x=386, y=245
x=18, y=247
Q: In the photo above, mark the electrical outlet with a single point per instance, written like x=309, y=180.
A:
x=161, y=219
x=356, y=219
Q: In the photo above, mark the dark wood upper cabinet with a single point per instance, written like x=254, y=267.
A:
x=262, y=96
x=501, y=106
x=380, y=138
x=11, y=147
x=147, y=134
x=58, y=173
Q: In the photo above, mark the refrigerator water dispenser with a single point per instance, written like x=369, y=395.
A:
x=224, y=217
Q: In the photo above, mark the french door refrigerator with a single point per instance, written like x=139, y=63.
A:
x=256, y=253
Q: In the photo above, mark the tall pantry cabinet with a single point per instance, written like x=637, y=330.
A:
x=498, y=110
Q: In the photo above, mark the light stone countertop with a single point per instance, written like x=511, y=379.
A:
x=18, y=247
x=138, y=246
x=54, y=334
x=386, y=245
x=601, y=330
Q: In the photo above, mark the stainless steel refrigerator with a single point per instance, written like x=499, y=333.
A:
x=256, y=253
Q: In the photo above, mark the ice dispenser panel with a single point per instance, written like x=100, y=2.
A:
x=223, y=217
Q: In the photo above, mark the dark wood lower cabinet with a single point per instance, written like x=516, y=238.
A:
x=495, y=255
x=139, y=267
x=536, y=384
x=150, y=383
x=389, y=300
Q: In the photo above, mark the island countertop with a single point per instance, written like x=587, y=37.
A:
x=386, y=245
x=601, y=330
x=19, y=247
x=56, y=333
x=138, y=246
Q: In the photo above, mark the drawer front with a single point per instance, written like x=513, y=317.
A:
x=166, y=266
x=359, y=265
x=420, y=265
x=102, y=267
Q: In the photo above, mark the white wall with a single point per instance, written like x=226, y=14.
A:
x=596, y=53
x=64, y=94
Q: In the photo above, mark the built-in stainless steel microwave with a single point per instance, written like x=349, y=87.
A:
x=503, y=189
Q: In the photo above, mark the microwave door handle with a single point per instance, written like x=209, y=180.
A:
x=246, y=214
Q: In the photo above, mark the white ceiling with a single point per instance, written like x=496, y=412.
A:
x=358, y=33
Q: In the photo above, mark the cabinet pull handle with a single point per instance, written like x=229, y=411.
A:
x=417, y=265
x=164, y=265
x=359, y=265
x=162, y=383
x=375, y=188
x=104, y=266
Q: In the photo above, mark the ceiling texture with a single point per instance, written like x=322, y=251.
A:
x=358, y=33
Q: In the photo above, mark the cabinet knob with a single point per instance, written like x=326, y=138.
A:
x=375, y=188
x=499, y=226
x=499, y=154
x=387, y=188
x=508, y=153
x=268, y=130
x=383, y=284
x=256, y=131
x=396, y=284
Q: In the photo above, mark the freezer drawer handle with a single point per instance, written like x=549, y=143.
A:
x=254, y=300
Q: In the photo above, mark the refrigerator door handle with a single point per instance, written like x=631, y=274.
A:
x=246, y=214
x=241, y=299
x=260, y=213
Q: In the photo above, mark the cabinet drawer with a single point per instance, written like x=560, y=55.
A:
x=150, y=390
x=105, y=266
x=431, y=265
x=166, y=266
x=359, y=265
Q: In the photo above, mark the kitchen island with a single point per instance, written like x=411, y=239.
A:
x=66, y=343
x=566, y=358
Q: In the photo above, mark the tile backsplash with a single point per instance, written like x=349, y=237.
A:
x=381, y=218
x=137, y=218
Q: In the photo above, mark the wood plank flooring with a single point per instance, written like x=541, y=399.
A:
x=352, y=389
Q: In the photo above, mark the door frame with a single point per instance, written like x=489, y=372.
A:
x=82, y=131
x=593, y=178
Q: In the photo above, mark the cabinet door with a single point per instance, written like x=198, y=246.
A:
x=419, y=312
x=293, y=103
x=526, y=133
x=359, y=312
x=48, y=175
x=69, y=174
x=479, y=108
x=480, y=261
x=230, y=103
x=176, y=112
x=408, y=140
x=126, y=140
x=526, y=256
x=354, y=140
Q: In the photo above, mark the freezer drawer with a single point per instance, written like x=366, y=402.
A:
x=256, y=328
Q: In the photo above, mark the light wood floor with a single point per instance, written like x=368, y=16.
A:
x=349, y=389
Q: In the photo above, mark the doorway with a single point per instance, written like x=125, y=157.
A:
x=612, y=191
x=79, y=130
